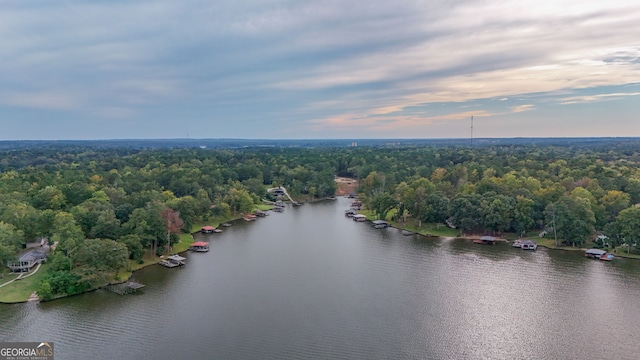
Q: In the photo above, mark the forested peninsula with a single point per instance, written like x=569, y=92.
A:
x=111, y=210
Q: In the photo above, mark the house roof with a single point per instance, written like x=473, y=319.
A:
x=596, y=252
x=528, y=242
x=488, y=238
x=379, y=222
x=176, y=257
x=200, y=243
x=32, y=255
x=208, y=228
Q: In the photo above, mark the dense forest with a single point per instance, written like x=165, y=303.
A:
x=106, y=206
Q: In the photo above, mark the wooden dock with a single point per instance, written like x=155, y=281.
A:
x=173, y=261
x=125, y=288
x=169, y=264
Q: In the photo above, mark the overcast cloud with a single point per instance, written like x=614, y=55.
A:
x=319, y=69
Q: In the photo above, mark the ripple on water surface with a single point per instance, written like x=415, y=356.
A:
x=310, y=283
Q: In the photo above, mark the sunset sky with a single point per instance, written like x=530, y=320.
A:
x=318, y=69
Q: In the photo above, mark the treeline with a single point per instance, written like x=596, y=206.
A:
x=104, y=206
x=576, y=191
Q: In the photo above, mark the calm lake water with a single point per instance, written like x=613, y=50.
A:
x=310, y=283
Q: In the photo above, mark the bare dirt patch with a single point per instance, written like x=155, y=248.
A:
x=346, y=186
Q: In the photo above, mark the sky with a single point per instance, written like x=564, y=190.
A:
x=278, y=69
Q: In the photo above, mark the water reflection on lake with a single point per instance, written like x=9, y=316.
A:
x=310, y=283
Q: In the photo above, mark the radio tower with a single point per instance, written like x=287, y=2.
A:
x=471, y=130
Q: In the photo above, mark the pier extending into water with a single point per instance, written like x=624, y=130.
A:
x=125, y=288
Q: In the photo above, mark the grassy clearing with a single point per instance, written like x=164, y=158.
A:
x=20, y=290
x=622, y=252
x=183, y=245
x=217, y=220
x=429, y=229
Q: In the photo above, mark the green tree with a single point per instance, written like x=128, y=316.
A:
x=134, y=246
x=628, y=223
x=66, y=232
x=465, y=212
x=523, y=214
x=597, y=209
x=614, y=201
x=497, y=212
x=148, y=225
x=10, y=241
x=239, y=200
x=382, y=204
x=574, y=219
x=45, y=292
x=103, y=254
x=24, y=217
x=436, y=209
x=49, y=197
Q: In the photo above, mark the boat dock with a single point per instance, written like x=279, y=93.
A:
x=125, y=288
x=199, y=246
x=173, y=261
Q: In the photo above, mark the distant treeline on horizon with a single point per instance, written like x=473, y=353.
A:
x=310, y=143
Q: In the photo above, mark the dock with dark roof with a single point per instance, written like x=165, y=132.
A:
x=125, y=288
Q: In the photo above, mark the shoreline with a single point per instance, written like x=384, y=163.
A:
x=471, y=237
x=115, y=282
x=393, y=225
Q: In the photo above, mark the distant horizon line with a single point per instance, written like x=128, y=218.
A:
x=324, y=139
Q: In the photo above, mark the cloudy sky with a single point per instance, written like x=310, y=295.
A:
x=318, y=69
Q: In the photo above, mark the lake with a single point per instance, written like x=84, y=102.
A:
x=310, y=283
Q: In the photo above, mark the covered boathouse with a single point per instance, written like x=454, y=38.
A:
x=199, y=246
x=207, y=229
x=173, y=261
x=594, y=253
x=380, y=224
x=359, y=218
x=486, y=240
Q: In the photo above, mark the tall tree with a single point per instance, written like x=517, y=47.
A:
x=10, y=241
x=628, y=223
x=172, y=222
x=382, y=204
x=574, y=220
x=523, y=214
x=614, y=201
x=497, y=212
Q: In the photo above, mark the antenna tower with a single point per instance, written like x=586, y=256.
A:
x=471, y=130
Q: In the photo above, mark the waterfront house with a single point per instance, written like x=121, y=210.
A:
x=27, y=261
